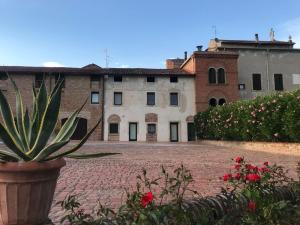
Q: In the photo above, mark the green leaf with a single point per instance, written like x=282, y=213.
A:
x=39, y=108
x=20, y=116
x=76, y=147
x=8, y=156
x=43, y=154
x=47, y=123
x=69, y=126
x=88, y=155
x=10, y=143
x=9, y=123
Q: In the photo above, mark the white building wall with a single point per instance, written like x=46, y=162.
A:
x=134, y=105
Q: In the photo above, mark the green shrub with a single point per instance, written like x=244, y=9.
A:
x=269, y=118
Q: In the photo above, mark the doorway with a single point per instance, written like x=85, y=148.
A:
x=191, y=132
x=174, y=132
x=132, y=131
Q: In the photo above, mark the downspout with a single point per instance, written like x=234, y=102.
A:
x=267, y=71
x=103, y=101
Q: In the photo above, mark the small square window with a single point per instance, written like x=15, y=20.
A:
x=150, y=79
x=59, y=77
x=173, y=79
x=38, y=80
x=118, y=78
x=118, y=98
x=174, y=99
x=113, y=128
x=242, y=86
x=95, y=97
x=151, y=128
x=150, y=98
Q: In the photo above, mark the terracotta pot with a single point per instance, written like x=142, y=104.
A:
x=26, y=191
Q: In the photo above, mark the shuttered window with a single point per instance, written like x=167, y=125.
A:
x=278, y=82
x=256, y=79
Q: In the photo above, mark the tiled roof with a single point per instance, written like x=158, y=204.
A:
x=92, y=69
x=256, y=42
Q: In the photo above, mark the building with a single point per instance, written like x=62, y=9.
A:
x=263, y=66
x=149, y=105
x=139, y=104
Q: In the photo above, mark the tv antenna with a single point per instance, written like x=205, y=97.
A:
x=107, y=58
x=214, y=27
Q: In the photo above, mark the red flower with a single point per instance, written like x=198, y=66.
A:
x=146, y=199
x=237, y=166
x=237, y=176
x=238, y=159
x=266, y=164
x=252, y=205
x=264, y=170
x=252, y=177
x=227, y=176
x=251, y=167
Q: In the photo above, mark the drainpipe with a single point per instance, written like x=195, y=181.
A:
x=103, y=102
x=267, y=70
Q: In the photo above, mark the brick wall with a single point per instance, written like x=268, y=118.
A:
x=77, y=90
x=199, y=63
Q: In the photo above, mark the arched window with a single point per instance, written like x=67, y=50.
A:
x=221, y=76
x=213, y=102
x=222, y=101
x=212, y=79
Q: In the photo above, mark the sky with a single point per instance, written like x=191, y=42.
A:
x=132, y=33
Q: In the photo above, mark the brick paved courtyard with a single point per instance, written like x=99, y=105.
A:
x=104, y=179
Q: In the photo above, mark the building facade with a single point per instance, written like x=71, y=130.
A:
x=158, y=105
x=149, y=107
x=263, y=66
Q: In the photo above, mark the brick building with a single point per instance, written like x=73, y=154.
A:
x=159, y=104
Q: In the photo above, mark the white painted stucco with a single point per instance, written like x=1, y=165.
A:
x=134, y=105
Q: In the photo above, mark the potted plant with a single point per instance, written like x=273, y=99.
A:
x=30, y=166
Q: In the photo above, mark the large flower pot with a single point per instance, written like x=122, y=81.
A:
x=26, y=191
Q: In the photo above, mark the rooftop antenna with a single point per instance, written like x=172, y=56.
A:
x=272, y=35
x=214, y=27
x=107, y=58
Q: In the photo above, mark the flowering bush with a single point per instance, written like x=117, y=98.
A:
x=259, y=183
x=269, y=118
x=254, y=195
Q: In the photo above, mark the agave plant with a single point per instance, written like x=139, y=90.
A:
x=28, y=136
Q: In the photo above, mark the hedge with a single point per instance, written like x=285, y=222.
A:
x=269, y=118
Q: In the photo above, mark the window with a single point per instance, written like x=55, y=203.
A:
x=59, y=77
x=95, y=78
x=222, y=101
x=113, y=128
x=150, y=98
x=173, y=79
x=118, y=98
x=38, y=80
x=221, y=76
x=256, y=79
x=278, y=82
x=3, y=76
x=242, y=86
x=150, y=79
x=212, y=79
x=213, y=102
x=151, y=128
x=95, y=97
x=118, y=78
x=173, y=98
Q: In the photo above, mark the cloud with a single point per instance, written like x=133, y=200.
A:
x=52, y=64
x=291, y=27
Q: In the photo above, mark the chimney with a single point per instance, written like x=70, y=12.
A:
x=199, y=48
x=256, y=38
x=185, y=55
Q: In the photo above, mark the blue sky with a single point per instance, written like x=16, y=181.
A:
x=136, y=33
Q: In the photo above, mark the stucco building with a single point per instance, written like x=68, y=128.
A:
x=139, y=104
x=263, y=66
